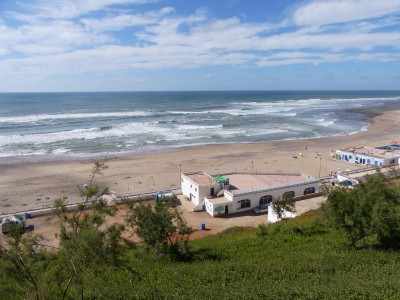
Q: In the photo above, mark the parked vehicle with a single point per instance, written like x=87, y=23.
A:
x=163, y=194
x=8, y=222
x=261, y=209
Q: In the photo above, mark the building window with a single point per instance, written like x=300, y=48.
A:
x=265, y=199
x=288, y=194
x=310, y=190
x=195, y=189
x=243, y=204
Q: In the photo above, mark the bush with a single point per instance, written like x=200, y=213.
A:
x=262, y=230
x=373, y=208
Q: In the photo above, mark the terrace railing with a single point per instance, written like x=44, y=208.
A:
x=268, y=188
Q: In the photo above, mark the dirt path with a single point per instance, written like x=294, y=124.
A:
x=48, y=227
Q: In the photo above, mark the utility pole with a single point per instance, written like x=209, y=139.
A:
x=319, y=173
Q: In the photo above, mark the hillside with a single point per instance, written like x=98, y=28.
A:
x=301, y=258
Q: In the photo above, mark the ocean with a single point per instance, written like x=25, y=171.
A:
x=62, y=126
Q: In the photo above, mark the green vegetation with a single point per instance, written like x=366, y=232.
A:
x=91, y=190
x=22, y=263
x=161, y=228
x=85, y=245
x=370, y=210
x=301, y=258
x=281, y=206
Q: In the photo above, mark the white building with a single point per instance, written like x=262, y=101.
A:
x=379, y=157
x=352, y=178
x=237, y=192
x=198, y=185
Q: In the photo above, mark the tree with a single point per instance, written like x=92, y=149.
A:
x=370, y=209
x=90, y=190
x=87, y=246
x=283, y=205
x=394, y=172
x=159, y=226
x=345, y=212
x=23, y=263
x=385, y=209
x=85, y=241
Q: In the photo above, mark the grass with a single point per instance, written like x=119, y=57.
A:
x=299, y=259
x=302, y=258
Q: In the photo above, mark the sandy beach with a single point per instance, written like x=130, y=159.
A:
x=26, y=186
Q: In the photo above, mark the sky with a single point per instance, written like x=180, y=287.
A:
x=162, y=45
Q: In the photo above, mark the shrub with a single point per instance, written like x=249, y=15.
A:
x=373, y=208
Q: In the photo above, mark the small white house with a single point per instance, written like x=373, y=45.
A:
x=198, y=185
x=378, y=157
x=238, y=192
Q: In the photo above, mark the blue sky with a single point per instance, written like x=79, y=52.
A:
x=140, y=45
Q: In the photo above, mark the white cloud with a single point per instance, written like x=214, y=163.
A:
x=54, y=36
x=3, y=51
x=290, y=58
x=121, y=21
x=71, y=42
x=333, y=42
x=339, y=11
x=62, y=9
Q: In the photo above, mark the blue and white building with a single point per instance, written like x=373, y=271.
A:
x=379, y=157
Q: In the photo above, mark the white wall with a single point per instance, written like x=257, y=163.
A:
x=351, y=158
x=278, y=193
x=188, y=188
x=198, y=192
x=273, y=217
x=210, y=207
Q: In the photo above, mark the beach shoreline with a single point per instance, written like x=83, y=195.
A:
x=27, y=184
x=367, y=115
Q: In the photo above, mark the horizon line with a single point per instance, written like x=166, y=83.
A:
x=196, y=91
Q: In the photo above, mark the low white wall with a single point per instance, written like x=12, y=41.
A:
x=209, y=207
x=273, y=217
x=70, y=207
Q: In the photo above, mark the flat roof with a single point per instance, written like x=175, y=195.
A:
x=200, y=178
x=259, y=181
x=374, y=152
x=219, y=200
